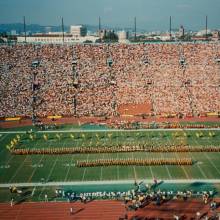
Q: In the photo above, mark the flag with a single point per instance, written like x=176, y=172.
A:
x=45, y=137
x=31, y=137
x=58, y=136
x=15, y=141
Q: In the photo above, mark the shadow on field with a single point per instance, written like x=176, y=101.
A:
x=80, y=210
x=26, y=194
x=19, y=201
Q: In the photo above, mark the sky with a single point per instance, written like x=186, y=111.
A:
x=151, y=14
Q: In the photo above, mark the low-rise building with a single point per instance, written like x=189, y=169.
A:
x=123, y=37
x=56, y=39
x=78, y=30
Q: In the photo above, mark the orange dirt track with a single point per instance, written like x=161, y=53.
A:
x=184, y=209
x=131, y=109
x=95, y=210
x=101, y=210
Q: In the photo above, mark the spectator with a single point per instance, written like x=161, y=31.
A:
x=170, y=88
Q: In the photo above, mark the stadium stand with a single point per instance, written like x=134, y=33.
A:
x=171, y=79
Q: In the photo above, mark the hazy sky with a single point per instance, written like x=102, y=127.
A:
x=151, y=14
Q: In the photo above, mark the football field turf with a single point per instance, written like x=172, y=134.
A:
x=61, y=168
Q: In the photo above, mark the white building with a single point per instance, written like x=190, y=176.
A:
x=123, y=37
x=78, y=30
x=181, y=31
x=56, y=39
x=203, y=32
x=45, y=38
x=13, y=32
x=78, y=34
x=165, y=36
x=48, y=29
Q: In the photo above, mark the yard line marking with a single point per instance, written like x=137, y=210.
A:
x=2, y=138
x=85, y=169
x=70, y=164
x=183, y=168
x=135, y=173
x=67, y=173
x=200, y=169
x=12, y=156
x=152, y=174
x=33, y=172
x=151, y=171
x=41, y=192
x=211, y=143
x=84, y=174
x=32, y=194
x=16, y=172
x=101, y=168
x=161, y=155
x=117, y=169
x=212, y=163
x=51, y=170
x=206, y=154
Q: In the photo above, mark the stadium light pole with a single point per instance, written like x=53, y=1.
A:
x=170, y=28
x=25, y=36
x=135, y=28
x=75, y=105
x=62, y=23
x=99, y=26
x=206, y=27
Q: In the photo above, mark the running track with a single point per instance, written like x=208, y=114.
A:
x=100, y=210
x=188, y=209
x=95, y=210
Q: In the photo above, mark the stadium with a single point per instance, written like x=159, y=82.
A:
x=127, y=127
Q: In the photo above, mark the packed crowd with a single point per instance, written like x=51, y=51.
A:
x=154, y=125
x=137, y=196
x=172, y=78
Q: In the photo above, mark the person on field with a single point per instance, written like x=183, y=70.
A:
x=12, y=202
x=71, y=211
x=45, y=198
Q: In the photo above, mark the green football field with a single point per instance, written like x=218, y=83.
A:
x=61, y=168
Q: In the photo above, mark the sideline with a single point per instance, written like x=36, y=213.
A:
x=107, y=182
x=114, y=130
